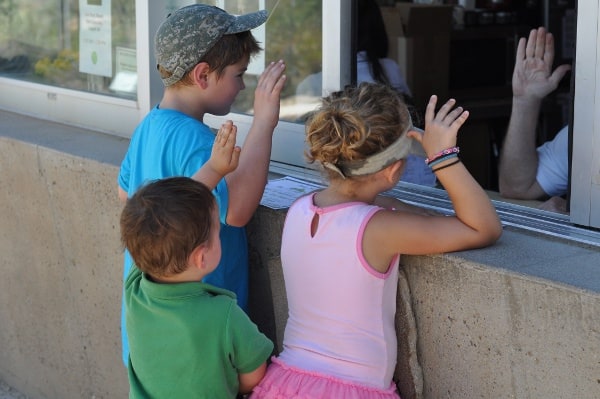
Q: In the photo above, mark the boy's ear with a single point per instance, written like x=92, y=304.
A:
x=200, y=74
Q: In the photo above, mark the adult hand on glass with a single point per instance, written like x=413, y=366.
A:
x=554, y=204
x=533, y=76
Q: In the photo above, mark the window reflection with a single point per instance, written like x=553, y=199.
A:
x=469, y=54
x=293, y=33
x=85, y=45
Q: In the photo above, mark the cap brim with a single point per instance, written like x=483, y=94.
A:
x=247, y=22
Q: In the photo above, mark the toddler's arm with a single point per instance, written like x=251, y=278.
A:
x=249, y=380
x=224, y=157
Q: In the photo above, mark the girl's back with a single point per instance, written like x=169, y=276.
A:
x=340, y=340
x=341, y=311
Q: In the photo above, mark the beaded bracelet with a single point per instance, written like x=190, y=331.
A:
x=447, y=151
x=442, y=159
x=445, y=166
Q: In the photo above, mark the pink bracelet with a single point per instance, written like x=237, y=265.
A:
x=447, y=151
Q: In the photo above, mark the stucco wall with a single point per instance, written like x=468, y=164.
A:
x=518, y=320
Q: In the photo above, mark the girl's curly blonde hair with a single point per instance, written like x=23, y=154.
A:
x=355, y=123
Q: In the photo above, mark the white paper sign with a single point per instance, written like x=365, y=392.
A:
x=281, y=193
x=125, y=79
x=95, y=37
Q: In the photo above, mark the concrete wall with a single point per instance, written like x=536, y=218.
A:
x=485, y=323
x=61, y=275
x=518, y=320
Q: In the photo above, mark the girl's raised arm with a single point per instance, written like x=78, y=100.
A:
x=475, y=224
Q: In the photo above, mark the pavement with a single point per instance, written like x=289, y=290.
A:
x=7, y=392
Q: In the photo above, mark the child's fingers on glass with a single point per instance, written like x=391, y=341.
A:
x=430, y=109
x=445, y=109
x=455, y=113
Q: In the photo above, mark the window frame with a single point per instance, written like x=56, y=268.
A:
x=74, y=107
x=71, y=107
x=90, y=110
x=585, y=167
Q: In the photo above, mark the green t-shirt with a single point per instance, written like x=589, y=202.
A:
x=188, y=340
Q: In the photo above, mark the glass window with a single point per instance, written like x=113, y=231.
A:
x=585, y=167
x=296, y=33
x=84, y=45
x=469, y=54
x=292, y=33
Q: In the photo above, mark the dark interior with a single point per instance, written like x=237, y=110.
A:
x=468, y=54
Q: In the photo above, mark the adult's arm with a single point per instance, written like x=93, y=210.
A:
x=519, y=158
x=532, y=80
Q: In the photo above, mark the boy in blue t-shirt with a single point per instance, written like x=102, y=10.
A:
x=202, y=53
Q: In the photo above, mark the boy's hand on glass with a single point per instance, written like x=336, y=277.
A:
x=267, y=95
x=225, y=155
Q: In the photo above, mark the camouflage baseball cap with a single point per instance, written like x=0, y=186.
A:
x=187, y=34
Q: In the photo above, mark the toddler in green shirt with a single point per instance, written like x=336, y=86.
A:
x=188, y=339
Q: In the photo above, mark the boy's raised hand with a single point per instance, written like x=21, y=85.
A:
x=246, y=185
x=224, y=157
x=267, y=95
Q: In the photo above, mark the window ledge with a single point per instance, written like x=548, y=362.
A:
x=514, y=216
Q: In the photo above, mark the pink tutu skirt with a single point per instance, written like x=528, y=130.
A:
x=284, y=382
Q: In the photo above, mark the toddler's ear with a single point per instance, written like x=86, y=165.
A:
x=197, y=257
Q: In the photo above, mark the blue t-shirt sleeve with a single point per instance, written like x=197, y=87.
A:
x=124, y=172
x=222, y=196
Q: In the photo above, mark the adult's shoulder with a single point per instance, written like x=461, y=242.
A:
x=563, y=134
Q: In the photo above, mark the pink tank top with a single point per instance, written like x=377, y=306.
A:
x=341, y=311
